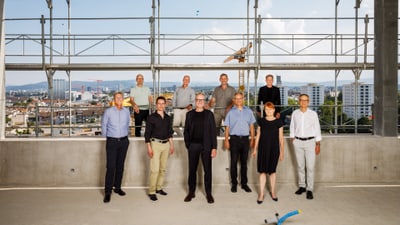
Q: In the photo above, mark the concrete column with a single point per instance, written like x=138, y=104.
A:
x=385, y=74
x=2, y=74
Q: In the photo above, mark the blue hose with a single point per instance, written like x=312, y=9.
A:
x=287, y=215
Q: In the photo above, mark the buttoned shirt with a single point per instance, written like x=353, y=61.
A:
x=115, y=123
x=305, y=124
x=239, y=121
x=158, y=127
x=183, y=97
x=141, y=96
x=223, y=97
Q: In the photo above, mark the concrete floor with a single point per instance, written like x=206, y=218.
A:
x=333, y=205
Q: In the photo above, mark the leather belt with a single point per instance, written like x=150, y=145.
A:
x=159, y=140
x=240, y=137
x=117, y=139
x=304, y=139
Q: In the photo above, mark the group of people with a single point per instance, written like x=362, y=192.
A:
x=200, y=131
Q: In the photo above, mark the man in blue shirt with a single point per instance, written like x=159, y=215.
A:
x=239, y=124
x=115, y=126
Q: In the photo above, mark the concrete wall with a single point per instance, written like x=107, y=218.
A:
x=81, y=162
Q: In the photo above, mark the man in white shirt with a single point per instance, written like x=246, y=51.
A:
x=305, y=133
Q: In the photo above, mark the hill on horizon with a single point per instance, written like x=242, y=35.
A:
x=124, y=84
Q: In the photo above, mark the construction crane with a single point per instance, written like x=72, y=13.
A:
x=98, y=85
x=240, y=55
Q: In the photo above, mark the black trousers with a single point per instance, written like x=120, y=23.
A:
x=239, y=149
x=196, y=151
x=139, y=118
x=116, y=154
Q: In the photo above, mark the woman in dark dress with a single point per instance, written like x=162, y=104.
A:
x=269, y=149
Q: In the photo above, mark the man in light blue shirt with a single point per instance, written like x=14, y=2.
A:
x=239, y=124
x=115, y=127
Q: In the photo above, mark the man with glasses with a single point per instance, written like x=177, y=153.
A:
x=305, y=133
x=239, y=124
x=201, y=142
x=158, y=138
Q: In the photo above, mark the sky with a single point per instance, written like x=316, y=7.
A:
x=277, y=11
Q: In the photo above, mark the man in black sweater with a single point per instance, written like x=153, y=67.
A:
x=269, y=93
x=200, y=135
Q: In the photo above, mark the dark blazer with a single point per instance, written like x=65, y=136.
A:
x=209, y=132
x=274, y=98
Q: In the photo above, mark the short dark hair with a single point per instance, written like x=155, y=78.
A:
x=162, y=98
x=223, y=75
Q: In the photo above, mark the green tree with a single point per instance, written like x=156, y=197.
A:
x=327, y=116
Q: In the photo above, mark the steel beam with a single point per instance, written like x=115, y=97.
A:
x=177, y=67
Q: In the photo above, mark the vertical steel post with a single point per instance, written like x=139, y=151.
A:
x=336, y=70
x=2, y=74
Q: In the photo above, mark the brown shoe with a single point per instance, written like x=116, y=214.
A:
x=189, y=197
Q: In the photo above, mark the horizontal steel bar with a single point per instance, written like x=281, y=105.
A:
x=173, y=67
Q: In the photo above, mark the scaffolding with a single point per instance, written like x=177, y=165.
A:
x=158, y=51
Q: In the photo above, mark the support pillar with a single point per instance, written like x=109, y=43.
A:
x=385, y=73
x=2, y=74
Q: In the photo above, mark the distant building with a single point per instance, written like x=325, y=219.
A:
x=316, y=94
x=284, y=95
x=278, y=81
x=87, y=96
x=365, y=98
x=59, y=89
x=283, y=89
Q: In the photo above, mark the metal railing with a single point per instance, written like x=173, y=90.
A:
x=35, y=121
x=38, y=45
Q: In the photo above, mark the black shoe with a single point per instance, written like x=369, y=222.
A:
x=246, y=188
x=161, y=192
x=310, y=195
x=275, y=199
x=189, y=197
x=210, y=199
x=260, y=201
x=120, y=192
x=153, y=197
x=107, y=198
x=234, y=188
x=300, y=191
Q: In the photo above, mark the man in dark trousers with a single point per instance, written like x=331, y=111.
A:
x=115, y=126
x=200, y=135
x=269, y=93
x=239, y=137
